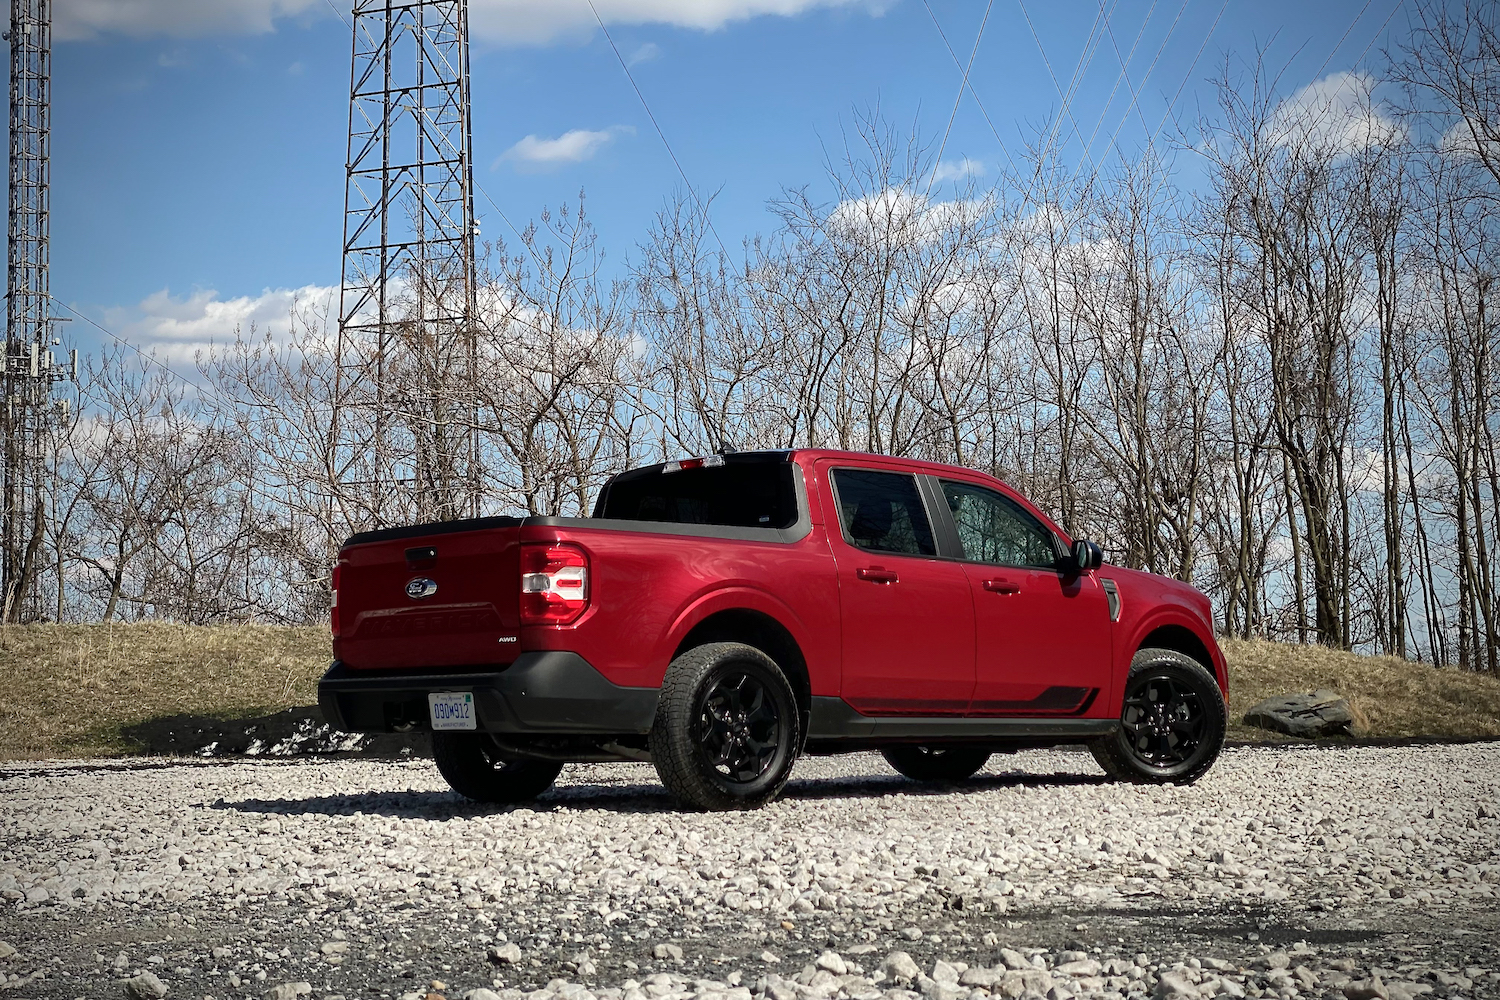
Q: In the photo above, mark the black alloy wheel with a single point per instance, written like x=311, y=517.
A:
x=727, y=727
x=475, y=768
x=1172, y=721
x=738, y=728
x=935, y=763
x=1163, y=719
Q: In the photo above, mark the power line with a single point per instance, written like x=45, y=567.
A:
x=340, y=14
x=519, y=235
x=152, y=358
x=1135, y=93
x=1363, y=52
x=1327, y=105
x=1124, y=75
x=1080, y=70
x=654, y=124
x=1345, y=35
x=1066, y=109
x=1188, y=75
x=972, y=92
x=958, y=99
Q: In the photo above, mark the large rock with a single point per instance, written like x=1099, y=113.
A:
x=1317, y=713
x=288, y=991
x=505, y=954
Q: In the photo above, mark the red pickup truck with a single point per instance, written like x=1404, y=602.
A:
x=720, y=616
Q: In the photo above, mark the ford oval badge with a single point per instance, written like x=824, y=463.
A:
x=421, y=587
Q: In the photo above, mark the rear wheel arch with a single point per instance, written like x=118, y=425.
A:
x=765, y=633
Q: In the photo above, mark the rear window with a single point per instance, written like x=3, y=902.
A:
x=738, y=494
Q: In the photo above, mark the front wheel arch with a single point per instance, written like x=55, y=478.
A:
x=1173, y=719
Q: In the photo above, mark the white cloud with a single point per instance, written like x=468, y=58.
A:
x=523, y=22
x=1337, y=113
x=1463, y=141
x=177, y=328
x=574, y=146
x=74, y=19
x=541, y=21
x=955, y=169
x=645, y=53
x=898, y=214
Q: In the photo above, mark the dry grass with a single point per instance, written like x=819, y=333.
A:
x=1389, y=697
x=68, y=690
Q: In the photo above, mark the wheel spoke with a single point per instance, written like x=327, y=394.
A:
x=732, y=695
x=740, y=725
x=757, y=706
x=1162, y=720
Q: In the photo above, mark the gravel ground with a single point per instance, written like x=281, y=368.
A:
x=1356, y=874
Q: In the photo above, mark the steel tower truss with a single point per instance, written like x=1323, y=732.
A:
x=403, y=426
x=29, y=412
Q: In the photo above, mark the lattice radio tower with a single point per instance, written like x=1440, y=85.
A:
x=403, y=423
x=29, y=412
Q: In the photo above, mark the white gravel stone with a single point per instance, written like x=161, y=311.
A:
x=899, y=965
x=288, y=991
x=833, y=962
x=1363, y=830
x=145, y=987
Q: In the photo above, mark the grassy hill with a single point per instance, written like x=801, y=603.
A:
x=1390, y=697
x=68, y=690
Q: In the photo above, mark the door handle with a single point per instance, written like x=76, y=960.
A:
x=876, y=575
x=1002, y=586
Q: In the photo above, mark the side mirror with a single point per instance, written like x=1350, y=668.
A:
x=1086, y=555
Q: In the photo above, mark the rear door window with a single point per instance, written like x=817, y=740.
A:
x=995, y=529
x=883, y=512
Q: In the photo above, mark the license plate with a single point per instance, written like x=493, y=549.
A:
x=451, y=709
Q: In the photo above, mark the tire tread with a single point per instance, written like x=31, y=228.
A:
x=1117, y=761
x=461, y=761
x=671, y=749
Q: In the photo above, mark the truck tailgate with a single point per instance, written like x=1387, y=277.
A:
x=439, y=600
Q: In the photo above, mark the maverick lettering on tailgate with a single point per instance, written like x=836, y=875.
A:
x=394, y=624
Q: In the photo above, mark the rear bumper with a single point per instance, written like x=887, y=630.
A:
x=541, y=692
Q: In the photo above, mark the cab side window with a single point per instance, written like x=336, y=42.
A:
x=883, y=512
x=995, y=529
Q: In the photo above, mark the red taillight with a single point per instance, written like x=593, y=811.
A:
x=707, y=462
x=554, y=584
x=333, y=615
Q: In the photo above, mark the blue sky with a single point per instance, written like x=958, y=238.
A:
x=198, y=145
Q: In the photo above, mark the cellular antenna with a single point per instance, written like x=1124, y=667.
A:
x=403, y=435
x=28, y=413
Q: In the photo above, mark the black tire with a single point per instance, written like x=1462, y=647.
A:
x=921, y=763
x=726, y=728
x=475, y=769
x=1172, y=722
